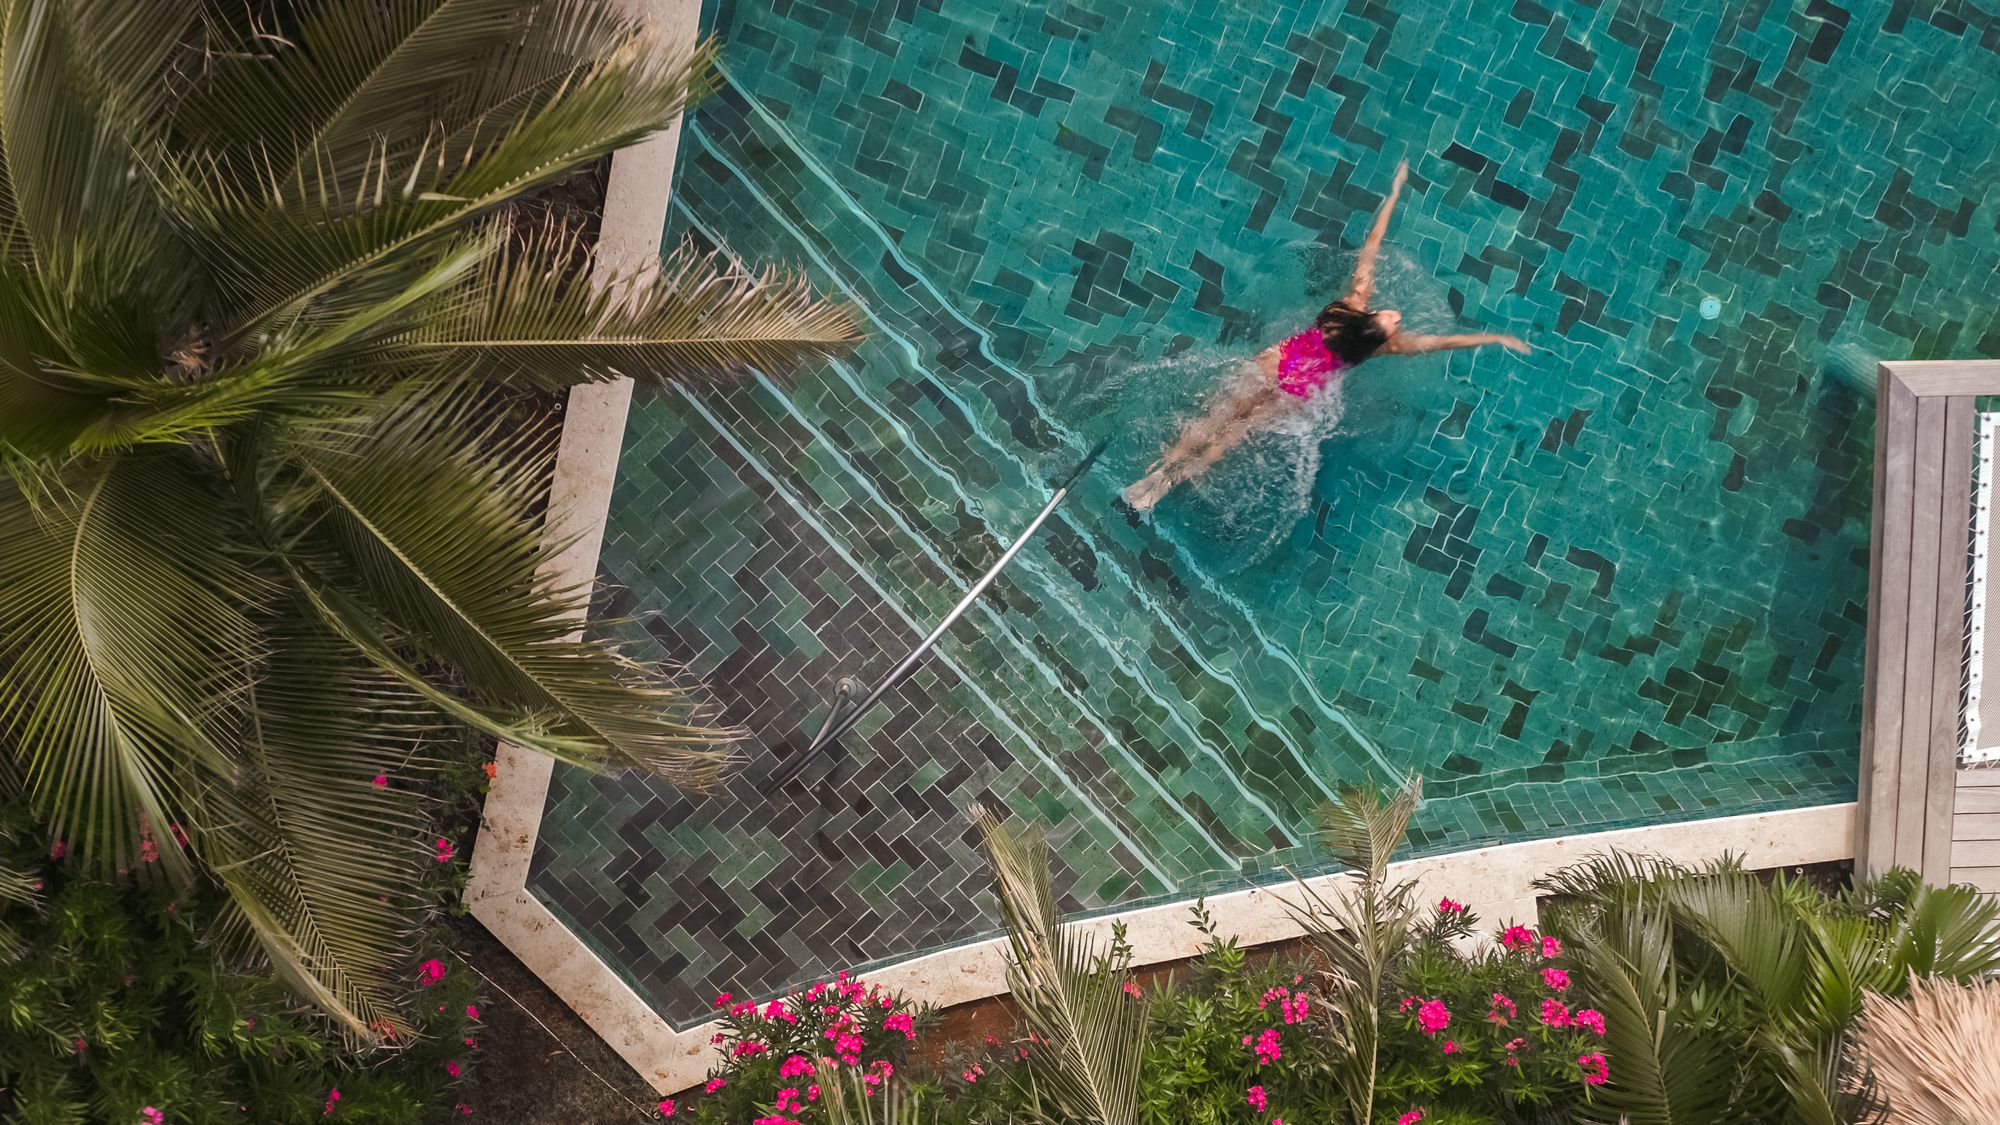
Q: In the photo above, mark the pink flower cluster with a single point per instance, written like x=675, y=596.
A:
x=1517, y=937
x=1447, y=906
x=1432, y=1016
x=1292, y=1008
x=666, y=1107
x=1265, y=1046
x=1555, y=979
x=748, y=1047
x=152, y=1116
x=1503, y=1009
x=795, y=1066
x=332, y=1098
x=974, y=1073
x=1555, y=1013
x=430, y=972
x=1590, y=1018
x=1596, y=1071
x=1450, y=1048
x=1257, y=1099
x=1411, y=1118
x=902, y=1022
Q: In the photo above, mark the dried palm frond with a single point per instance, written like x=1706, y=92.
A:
x=1930, y=1054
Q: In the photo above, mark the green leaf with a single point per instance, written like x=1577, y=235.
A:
x=1093, y=1035
x=322, y=863
x=434, y=518
x=125, y=641
x=528, y=319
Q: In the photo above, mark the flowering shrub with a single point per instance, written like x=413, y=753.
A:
x=774, y=1055
x=1236, y=1041
x=160, y=1032
x=1502, y=1029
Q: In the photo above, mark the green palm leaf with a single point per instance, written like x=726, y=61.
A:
x=125, y=635
x=1666, y=1067
x=434, y=517
x=1070, y=991
x=320, y=861
x=526, y=320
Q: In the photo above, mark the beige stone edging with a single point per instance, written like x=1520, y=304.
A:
x=1496, y=882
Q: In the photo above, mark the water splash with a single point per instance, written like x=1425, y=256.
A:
x=1243, y=510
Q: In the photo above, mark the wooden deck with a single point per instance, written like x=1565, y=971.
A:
x=1918, y=808
x=1975, y=830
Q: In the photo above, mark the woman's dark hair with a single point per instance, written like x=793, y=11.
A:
x=1351, y=334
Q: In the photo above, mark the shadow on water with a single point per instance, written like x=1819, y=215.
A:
x=1246, y=513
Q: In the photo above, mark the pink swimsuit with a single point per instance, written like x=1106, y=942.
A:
x=1304, y=364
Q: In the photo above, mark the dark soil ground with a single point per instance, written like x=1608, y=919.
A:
x=539, y=1064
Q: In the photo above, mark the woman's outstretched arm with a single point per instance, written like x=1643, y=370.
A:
x=1363, y=286
x=1405, y=343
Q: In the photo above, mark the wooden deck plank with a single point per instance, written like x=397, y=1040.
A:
x=1973, y=800
x=1926, y=499
x=1986, y=879
x=1888, y=632
x=1954, y=520
x=1976, y=826
x=1986, y=778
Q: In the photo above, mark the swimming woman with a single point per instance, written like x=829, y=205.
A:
x=1283, y=379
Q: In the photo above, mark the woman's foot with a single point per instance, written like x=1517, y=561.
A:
x=1147, y=492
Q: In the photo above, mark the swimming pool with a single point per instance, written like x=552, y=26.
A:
x=1617, y=581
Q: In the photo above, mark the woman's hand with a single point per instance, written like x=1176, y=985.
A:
x=1402, y=177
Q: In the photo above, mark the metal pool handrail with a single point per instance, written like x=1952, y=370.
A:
x=843, y=717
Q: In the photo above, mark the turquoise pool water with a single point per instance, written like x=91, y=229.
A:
x=1616, y=581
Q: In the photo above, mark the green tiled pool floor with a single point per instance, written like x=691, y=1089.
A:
x=1616, y=581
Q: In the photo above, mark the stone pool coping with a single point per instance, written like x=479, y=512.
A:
x=1495, y=881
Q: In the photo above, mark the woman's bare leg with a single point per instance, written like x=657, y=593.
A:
x=1203, y=442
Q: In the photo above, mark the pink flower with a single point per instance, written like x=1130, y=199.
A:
x=444, y=850
x=1257, y=1099
x=1132, y=988
x=1294, y=1009
x=1411, y=1118
x=1503, y=1009
x=452, y=1068
x=149, y=851
x=430, y=972
x=1432, y=1016
x=152, y=1116
x=1450, y=1048
x=795, y=1066
x=1590, y=1018
x=1447, y=906
x=462, y=1109
x=1555, y=1013
x=380, y=781
x=1517, y=937
x=332, y=1096
x=901, y=1022
x=722, y=1001
x=58, y=850
x=974, y=1074
x=1595, y=1070
x=1552, y=947
x=1555, y=979
x=788, y=1100
x=812, y=1091
x=180, y=834
x=1265, y=1046
x=472, y=1011
x=1405, y=1005
x=713, y=1084
x=80, y=1046
x=472, y=1043
x=748, y=1047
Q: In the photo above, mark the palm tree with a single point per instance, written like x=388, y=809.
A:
x=260, y=537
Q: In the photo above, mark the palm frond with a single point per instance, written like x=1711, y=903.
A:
x=19, y=888
x=125, y=637
x=320, y=861
x=81, y=89
x=434, y=516
x=1365, y=826
x=1071, y=992
x=1361, y=929
x=1669, y=1069
x=529, y=320
x=847, y=1099
x=281, y=242
x=338, y=367
x=1930, y=1055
